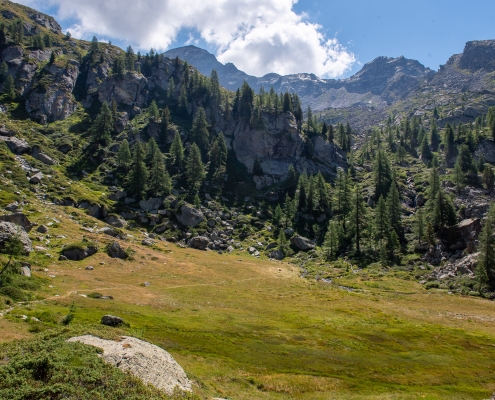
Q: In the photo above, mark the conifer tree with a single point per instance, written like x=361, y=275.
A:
x=153, y=111
x=449, y=142
x=322, y=194
x=160, y=182
x=330, y=134
x=150, y=151
x=130, y=58
x=139, y=173
x=4, y=70
x=419, y=225
x=277, y=215
x=382, y=174
x=358, y=217
x=114, y=109
x=171, y=90
x=433, y=183
x=283, y=243
x=52, y=58
x=216, y=94
x=100, y=131
x=177, y=151
x=342, y=197
x=485, y=269
x=487, y=177
x=9, y=87
x=301, y=193
x=124, y=155
x=425, y=150
x=94, y=45
x=393, y=206
x=195, y=170
x=434, y=136
x=459, y=178
x=200, y=134
x=331, y=244
x=443, y=211
x=287, y=106
x=382, y=224
x=465, y=160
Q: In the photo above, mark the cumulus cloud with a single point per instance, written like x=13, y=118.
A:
x=259, y=36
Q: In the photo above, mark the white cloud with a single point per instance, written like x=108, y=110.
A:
x=259, y=36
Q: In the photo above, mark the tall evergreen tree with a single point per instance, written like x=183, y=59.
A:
x=426, y=154
x=153, y=111
x=195, y=170
x=393, y=206
x=177, y=151
x=139, y=173
x=358, y=217
x=433, y=183
x=100, y=131
x=419, y=225
x=434, y=136
x=449, y=142
x=200, y=134
x=332, y=242
x=160, y=182
x=382, y=224
x=485, y=270
x=9, y=87
x=330, y=134
x=487, y=177
x=4, y=70
x=342, y=197
x=124, y=155
x=382, y=174
x=443, y=211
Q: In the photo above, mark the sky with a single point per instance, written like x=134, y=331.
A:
x=332, y=39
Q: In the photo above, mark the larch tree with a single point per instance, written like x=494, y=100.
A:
x=195, y=170
x=160, y=182
x=139, y=173
x=485, y=270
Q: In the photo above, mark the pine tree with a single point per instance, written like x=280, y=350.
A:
x=485, y=269
x=47, y=40
x=153, y=111
x=52, y=58
x=393, y=207
x=487, y=177
x=100, y=131
x=449, y=142
x=425, y=150
x=150, y=151
x=124, y=155
x=382, y=224
x=330, y=134
x=382, y=174
x=443, y=211
x=322, y=194
x=4, y=70
x=283, y=243
x=465, y=160
x=177, y=151
x=94, y=45
x=139, y=173
x=433, y=183
x=9, y=87
x=277, y=215
x=419, y=225
x=216, y=94
x=332, y=242
x=200, y=134
x=160, y=182
x=195, y=170
x=459, y=178
x=358, y=217
x=130, y=59
x=171, y=90
x=287, y=106
x=342, y=197
x=434, y=136
x=114, y=109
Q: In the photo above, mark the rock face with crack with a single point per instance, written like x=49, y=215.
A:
x=144, y=360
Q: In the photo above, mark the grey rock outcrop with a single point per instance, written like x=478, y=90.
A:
x=302, y=243
x=42, y=229
x=41, y=156
x=199, y=242
x=18, y=219
x=150, y=204
x=148, y=362
x=16, y=145
x=277, y=254
x=8, y=231
x=115, y=251
x=128, y=90
x=116, y=221
x=189, y=216
x=108, y=231
x=278, y=144
x=462, y=266
x=52, y=100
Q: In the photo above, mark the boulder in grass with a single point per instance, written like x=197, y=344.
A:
x=18, y=219
x=199, y=242
x=79, y=251
x=144, y=360
x=189, y=216
x=302, y=243
x=8, y=231
x=111, y=320
x=115, y=251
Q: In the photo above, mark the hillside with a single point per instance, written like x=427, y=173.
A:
x=276, y=250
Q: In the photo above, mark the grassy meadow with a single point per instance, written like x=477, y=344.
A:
x=248, y=328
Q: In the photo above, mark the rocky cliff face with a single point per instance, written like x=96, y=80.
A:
x=276, y=144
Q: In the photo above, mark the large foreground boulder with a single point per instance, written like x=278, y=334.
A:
x=302, y=243
x=189, y=216
x=144, y=360
x=9, y=230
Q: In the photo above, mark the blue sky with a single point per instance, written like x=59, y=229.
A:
x=329, y=38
